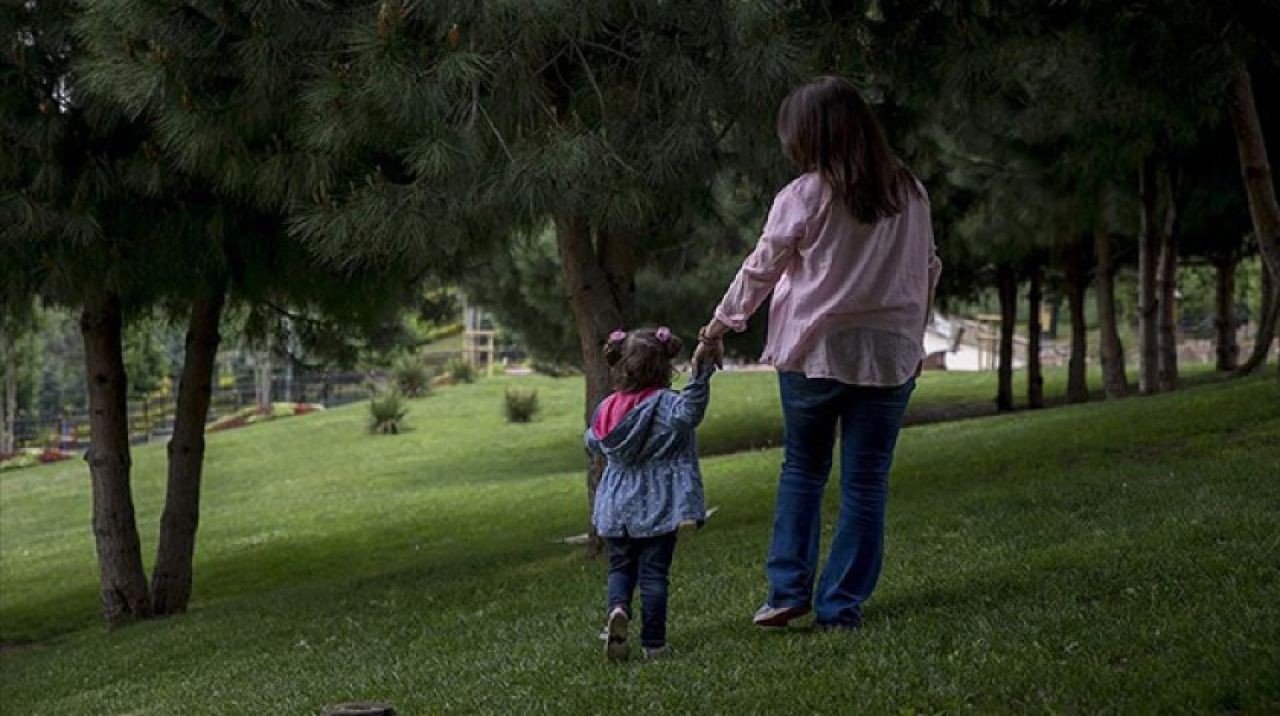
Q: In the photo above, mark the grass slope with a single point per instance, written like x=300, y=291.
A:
x=1101, y=557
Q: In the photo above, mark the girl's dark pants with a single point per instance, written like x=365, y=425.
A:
x=643, y=562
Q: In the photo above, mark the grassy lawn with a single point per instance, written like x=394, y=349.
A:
x=1117, y=557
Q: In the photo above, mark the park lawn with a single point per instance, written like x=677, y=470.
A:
x=1101, y=557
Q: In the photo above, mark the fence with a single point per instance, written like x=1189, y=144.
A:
x=151, y=417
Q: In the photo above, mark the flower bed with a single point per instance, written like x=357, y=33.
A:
x=250, y=416
x=27, y=457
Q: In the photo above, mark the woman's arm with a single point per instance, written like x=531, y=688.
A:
x=787, y=224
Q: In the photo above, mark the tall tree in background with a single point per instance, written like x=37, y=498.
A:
x=1167, y=283
x=1110, y=349
x=1265, y=211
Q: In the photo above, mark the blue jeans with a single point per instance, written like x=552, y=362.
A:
x=645, y=562
x=869, y=419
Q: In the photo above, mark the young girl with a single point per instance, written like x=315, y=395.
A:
x=651, y=482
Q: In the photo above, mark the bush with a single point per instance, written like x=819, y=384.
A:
x=553, y=370
x=460, y=371
x=521, y=405
x=388, y=411
x=412, y=377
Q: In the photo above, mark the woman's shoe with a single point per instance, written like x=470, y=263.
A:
x=771, y=616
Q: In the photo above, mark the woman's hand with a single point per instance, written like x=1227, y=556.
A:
x=710, y=346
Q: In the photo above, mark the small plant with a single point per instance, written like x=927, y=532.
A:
x=521, y=405
x=460, y=371
x=412, y=377
x=388, y=410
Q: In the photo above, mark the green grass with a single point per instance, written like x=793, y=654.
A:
x=1114, y=557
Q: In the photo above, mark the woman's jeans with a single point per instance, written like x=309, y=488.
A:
x=643, y=561
x=869, y=419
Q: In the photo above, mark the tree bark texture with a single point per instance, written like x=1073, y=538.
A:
x=1148, y=255
x=262, y=374
x=1268, y=318
x=1035, y=296
x=123, y=582
x=1077, y=282
x=598, y=269
x=1007, y=290
x=1167, y=289
x=1224, y=325
x=1111, y=351
x=9, y=391
x=171, y=577
x=1255, y=169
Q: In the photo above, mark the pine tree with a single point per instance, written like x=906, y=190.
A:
x=73, y=218
x=100, y=215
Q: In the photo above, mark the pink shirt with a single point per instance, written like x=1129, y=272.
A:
x=850, y=299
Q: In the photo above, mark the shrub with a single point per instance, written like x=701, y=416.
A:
x=388, y=410
x=460, y=371
x=553, y=370
x=521, y=405
x=412, y=377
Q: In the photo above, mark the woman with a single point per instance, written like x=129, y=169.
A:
x=848, y=254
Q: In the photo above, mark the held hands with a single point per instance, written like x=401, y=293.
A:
x=710, y=348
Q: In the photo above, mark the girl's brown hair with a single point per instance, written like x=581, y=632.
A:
x=642, y=358
x=826, y=126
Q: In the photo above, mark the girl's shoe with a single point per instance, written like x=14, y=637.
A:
x=615, y=644
x=771, y=616
x=657, y=652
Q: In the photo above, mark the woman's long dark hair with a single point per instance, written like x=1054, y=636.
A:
x=826, y=126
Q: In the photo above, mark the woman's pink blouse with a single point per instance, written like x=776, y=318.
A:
x=850, y=299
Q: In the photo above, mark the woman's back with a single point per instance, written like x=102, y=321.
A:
x=850, y=298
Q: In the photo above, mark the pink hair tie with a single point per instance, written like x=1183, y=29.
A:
x=663, y=334
x=617, y=336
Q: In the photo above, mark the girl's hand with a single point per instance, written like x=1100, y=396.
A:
x=710, y=347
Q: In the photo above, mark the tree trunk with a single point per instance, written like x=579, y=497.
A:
x=1110, y=349
x=124, y=585
x=1167, y=288
x=171, y=577
x=1148, y=253
x=1007, y=290
x=9, y=391
x=1268, y=318
x=1225, y=324
x=1035, y=380
x=1254, y=167
x=262, y=377
x=599, y=278
x=1077, y=282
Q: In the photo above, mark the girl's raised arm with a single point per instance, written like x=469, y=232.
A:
x=691, y=404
